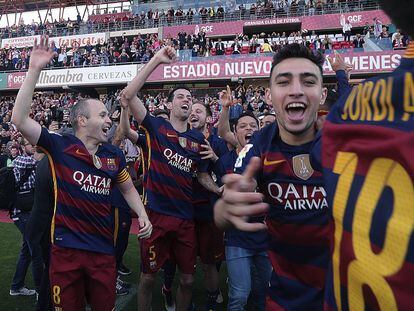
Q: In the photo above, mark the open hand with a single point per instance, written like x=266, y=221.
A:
x=41, y=54
x=239, y=201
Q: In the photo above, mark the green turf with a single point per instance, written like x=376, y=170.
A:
x=9, y=248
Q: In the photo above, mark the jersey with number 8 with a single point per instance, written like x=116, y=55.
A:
x=368, y=162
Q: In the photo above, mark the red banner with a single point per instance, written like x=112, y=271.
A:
x=210, y=29
x=257, y=66
x=333, y=21
x=15, y=79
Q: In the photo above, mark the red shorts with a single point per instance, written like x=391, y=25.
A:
x=172, y=238
x=210, y=244
x=77, y=276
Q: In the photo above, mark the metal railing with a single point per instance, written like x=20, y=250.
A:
x=138, y=23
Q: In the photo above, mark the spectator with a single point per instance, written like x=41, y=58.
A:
x=359, y=41
x=346, y=28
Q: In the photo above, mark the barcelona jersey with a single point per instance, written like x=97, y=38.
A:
x=172, y=160
x=83, y=217
x=299, y=220
x=368, y=160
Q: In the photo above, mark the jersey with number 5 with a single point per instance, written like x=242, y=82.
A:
x=368, y=162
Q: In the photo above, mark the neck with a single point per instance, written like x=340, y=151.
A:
x=90, y=144
x=297, y=139
x=179, y=125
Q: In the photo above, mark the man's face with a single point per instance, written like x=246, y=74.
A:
x=296, y=92
x=198, y=116
x=14, y=152
x=268, y=119
x=181, y=104
x=98, y=123
x=245, y=128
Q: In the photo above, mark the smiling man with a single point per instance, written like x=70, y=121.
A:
x=173, y=159
x=85, y=168
x=298, y=219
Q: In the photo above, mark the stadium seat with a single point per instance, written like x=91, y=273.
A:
x=228, y=51
x=245, y=49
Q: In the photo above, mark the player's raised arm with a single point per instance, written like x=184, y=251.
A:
x=41, y=56
x=124, y=121
x=164, y=56
x=223, y=124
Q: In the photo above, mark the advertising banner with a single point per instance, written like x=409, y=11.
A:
x=260, y=65
x=69, y=41
x=333, y=21
x=78, y=76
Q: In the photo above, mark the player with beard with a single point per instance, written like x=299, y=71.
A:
x=209, y=237
x=173, y=158
x=247, y=261
x=298, y=220
x=84, y=168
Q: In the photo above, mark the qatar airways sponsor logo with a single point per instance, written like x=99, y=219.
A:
x=298, y=197
x=177, y=160
x=92, y=183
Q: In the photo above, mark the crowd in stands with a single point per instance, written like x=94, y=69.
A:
x=102, y=20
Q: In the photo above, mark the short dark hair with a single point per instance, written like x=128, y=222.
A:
x=401, y=14
x=171, y=93
x=158, y=112
x=80, y=108
x=246, y=113
x=296, y=50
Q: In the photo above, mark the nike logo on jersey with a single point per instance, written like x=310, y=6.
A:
x=78, y=152
x=171, y=135
x=266, y=162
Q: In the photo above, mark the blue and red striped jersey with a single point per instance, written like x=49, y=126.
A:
x=173, y=159
x=299, y=220
x=368, y=160
x=203, y=199
x=83, y=217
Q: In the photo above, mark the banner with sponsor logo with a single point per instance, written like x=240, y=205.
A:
x=273, y=21
x=76, y=40
x=260, y=65
x=333, y=21
x=3, y=81
x=210, y=29
x=77, y=76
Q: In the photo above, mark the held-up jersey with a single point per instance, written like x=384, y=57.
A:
x=368, y=161
x=173, y=159
x=299, y=222
x=83, y=217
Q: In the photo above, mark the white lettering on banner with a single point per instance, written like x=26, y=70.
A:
x=384, y=62
x=298, y=197
x=92, y=183
x=354, y=18
x=289, y=20
x=81, y=40
x=248, y=68
x=192, y=71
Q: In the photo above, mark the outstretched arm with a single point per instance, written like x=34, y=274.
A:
x=41, y=56
x=165, y=55
x=124, y=121
x=224, y=124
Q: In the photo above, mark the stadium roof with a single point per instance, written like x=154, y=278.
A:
x=20, y=6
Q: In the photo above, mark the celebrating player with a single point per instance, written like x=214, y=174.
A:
x=173, y=158
x=85, y=168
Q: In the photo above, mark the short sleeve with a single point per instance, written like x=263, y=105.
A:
x=49, y=141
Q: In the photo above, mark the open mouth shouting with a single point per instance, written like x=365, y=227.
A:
x=296, y=111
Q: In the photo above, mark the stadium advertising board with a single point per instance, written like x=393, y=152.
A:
x=259, y=66
x=274, y=21
x=333, y=21
x=78, y=76
x=76, y=40
x=210, y=29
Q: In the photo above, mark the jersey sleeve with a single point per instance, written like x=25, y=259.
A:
x=50, y=141
x=123, y=174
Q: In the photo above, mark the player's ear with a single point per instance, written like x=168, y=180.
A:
x=169, y=105
x=324, y=94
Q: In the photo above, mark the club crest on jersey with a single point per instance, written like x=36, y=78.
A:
x=182, y=141
x=110, y=163
x=242, y=155
x=97, y=162
x=194, y=146
x=302, y=167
